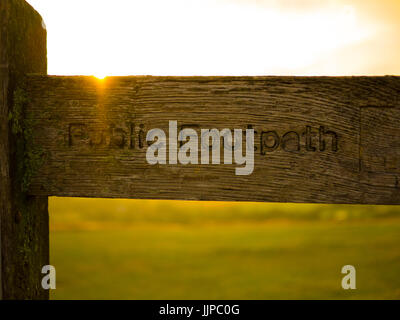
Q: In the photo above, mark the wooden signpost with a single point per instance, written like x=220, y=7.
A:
x=23, y=218
x=306, y=139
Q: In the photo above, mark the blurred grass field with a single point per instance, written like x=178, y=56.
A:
x=140, y=249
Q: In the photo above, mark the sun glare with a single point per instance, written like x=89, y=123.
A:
x=100, y=76
x=217, y=37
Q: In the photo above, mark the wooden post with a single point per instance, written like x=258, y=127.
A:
x=23, y=219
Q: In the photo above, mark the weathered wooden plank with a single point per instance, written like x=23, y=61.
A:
x=317, y=139
x=24, y=230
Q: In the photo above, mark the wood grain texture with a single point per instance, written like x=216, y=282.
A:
x=24, y=230
x=90, y=136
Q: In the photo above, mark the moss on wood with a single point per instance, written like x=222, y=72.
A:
x=30, y=157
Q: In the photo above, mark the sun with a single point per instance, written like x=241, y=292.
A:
x=100, y=75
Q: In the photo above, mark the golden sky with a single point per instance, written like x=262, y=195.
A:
x=222, y=37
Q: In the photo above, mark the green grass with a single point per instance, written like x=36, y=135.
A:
x=104, y=249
